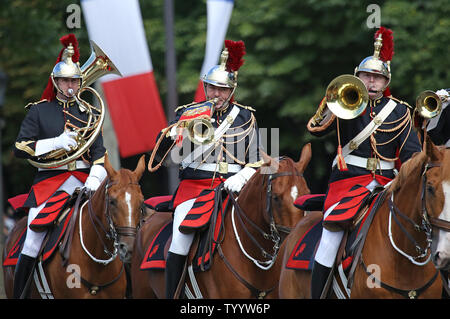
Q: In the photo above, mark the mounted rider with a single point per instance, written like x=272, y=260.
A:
x=373, y=141
x=438, y=128
x=47, y=127
x=229, y=152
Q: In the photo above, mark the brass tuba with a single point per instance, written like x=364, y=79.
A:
x=347, y=96
x=428, y=104
x=95, y=67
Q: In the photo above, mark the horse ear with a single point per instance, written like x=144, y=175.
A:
x=305, y=158
x=267, y=159
x=416, y=162
x=140, y=167
x=432, y=150
x=270, y=165
x=111, y=171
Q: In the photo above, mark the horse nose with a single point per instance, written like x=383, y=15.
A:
x=124, y=252
x=436, y=258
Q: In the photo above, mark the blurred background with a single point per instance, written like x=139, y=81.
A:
x=294, y=49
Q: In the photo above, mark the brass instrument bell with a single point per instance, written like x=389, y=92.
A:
x=347, y=96
x=428, y=104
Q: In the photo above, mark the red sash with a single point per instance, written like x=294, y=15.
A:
x=46, y=188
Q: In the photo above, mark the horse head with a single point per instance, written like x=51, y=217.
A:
x=124, y=201
x=283, y=181
x=438, y=205
x=430, y=169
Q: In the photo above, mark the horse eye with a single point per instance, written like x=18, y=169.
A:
x=431, y=189
x=113, y=202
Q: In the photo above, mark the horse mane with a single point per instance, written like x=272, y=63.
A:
x=416, y=162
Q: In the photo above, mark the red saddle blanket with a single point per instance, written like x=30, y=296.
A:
x=302, y=256
x=49, y=214
x=159, y=203
x=18, y=201
x=206, y=217
x=55, y=236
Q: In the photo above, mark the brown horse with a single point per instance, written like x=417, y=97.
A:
x=245, y=264
x=103, y=228
x=394, y=257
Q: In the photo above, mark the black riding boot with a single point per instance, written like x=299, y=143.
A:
x=174, y=270
x=319, y=278
x=24, y=268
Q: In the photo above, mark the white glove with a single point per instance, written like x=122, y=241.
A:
x=95, y=178
x=66, y=141
x=236, y=182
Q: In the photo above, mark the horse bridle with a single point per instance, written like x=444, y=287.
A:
x=274, y=234
x=113, y=232
x=435, y=222
x=275, y=229
x=427, y=223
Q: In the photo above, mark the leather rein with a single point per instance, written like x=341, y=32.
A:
x=112, y=233
x=427, y=222
x=273, y=236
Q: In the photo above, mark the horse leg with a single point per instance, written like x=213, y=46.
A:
x=140, y=280
x=8, y=271
x=148, y=284
x=296, y=283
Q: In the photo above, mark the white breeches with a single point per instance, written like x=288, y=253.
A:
x=33, y=240
x=181, y=243
x=330, y=240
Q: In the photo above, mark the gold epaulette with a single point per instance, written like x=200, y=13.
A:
x=184, y=106
x=35, y=103
x=401, y=102
x=245, y=107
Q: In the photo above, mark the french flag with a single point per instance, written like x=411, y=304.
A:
x=133, y=100
x=218, y=17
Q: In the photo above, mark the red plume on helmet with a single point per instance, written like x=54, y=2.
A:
x=387, y=49
x=236, y=50
x=49, y=92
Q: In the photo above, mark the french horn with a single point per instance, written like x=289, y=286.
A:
x=98, y=65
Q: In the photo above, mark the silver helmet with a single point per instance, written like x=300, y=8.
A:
x=380, y=61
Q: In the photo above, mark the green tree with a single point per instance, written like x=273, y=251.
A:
x=294, y=49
